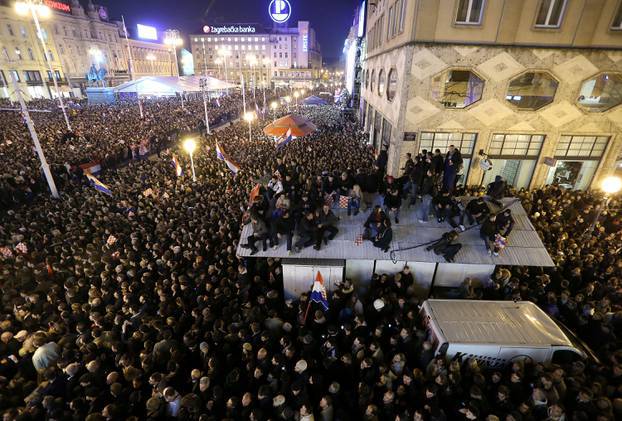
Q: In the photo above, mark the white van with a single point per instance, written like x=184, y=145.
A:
x=497, y=333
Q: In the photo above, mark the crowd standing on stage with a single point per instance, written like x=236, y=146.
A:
x=135, y=305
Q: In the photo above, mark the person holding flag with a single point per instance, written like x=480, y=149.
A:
x=318, y=295
x=178, y=169
x=221, y=155
x=285, y=139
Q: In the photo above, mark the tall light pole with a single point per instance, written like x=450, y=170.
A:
x=218, y=62
x=35, y=139
x=252, y=61
x=189, y=146
x=224, y=53
x=36, y=9
x=173, y=38
x=610, y=186
x=249, y=117
x=266, y=63
x=203, y=84
x=296, y=95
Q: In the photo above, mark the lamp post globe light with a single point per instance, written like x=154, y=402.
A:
x=249, y=117
x=190, y=146
x=173, y=38
x=38, y=9
x=611, y=185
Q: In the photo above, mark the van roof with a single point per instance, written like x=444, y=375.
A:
x=500, y=322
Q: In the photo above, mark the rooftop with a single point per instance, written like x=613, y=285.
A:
x=505, y=322
x=524, y=246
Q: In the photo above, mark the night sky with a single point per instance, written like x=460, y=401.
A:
x=330, y=18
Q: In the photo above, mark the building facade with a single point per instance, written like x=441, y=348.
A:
x=152, y=59
x=22, y=57
x=78, y=40
x=277, y=56
x=536, y=85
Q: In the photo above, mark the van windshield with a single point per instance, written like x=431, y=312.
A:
x=578, y=343
x=430, y=336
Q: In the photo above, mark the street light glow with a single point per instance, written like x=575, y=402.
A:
x=611, y=185
x=150, y=57
x=249, y=117
x=190, y=145
x=274, y=105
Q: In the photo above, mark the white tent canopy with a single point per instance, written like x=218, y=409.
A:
x=170, y=85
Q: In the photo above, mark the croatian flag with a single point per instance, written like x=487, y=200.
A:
x=220, y=154
x=91, y=167
x=285, y=139
x=98, y=184
x=178, y=169
x=318, y=292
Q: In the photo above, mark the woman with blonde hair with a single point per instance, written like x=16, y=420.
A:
x=354, y=202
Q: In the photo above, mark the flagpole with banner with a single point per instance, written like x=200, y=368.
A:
x=318, y=295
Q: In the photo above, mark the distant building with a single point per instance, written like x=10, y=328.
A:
x=79, y=41
x=536, y=85
x=282, y=56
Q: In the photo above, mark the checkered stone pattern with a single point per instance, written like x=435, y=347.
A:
x=575, y=70
x=500, y=67
x=561, y=114
x=491, y=111
x=616, y=116
x=426, y=64
x=418, y=109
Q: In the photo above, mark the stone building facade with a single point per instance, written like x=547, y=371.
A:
x=540, y=112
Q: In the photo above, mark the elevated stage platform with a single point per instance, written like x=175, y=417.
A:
x=524, y=246
x=343, y=258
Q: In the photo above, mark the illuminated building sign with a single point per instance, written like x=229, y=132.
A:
x=57, y=5
x=305, y=42
x=279, y=10
x=147, y=32
x=229, y=29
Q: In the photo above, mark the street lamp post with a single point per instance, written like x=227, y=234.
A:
x=35, y=139
x=288, y=99
x=189, y=146
x=249, y=117
x=203, y=84
x=610, y=186
x=224, y=54
x=296, y=95
x=37, y=8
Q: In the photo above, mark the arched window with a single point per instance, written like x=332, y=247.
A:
x=392, y=85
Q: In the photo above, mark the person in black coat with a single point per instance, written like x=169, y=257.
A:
x=308, y=231
x=487, y=232
x=393, y=202
x=496, y=190
x=505, y=222
x=371, y=225
x=383, y=238
x=283, y=225
x=446, y=246
x=476, y=210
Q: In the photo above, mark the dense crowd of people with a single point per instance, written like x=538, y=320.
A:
x=135, y=305
x=108, y=134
